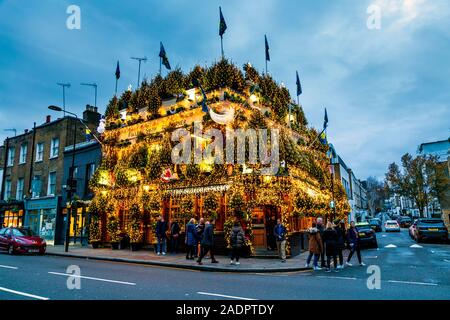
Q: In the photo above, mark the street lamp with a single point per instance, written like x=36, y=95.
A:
x=71, y=178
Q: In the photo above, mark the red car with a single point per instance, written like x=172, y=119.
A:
x=21, y=240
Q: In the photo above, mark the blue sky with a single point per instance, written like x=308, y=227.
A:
x=386, y=90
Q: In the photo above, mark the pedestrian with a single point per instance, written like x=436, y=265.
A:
x=161, y=229
x=354, y=243
x=315, y=246
x=237, y=241
x=199, y=229
x=175, y=236
x=191, y=239
x=207, y=242
x=330, y=239
x=340, y=245
x=280, y=236
x=320, y=228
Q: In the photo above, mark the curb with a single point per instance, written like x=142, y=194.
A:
x=180, y=266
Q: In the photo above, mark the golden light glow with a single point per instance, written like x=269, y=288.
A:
x=267, y=179
x=103, y=178
x=104, y=192
x=253, y=98
x=146, y=188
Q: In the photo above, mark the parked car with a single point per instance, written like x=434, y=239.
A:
x=367, y=235
x=430, y=229
x=376, y=224
x=391, y=226
x=404, y=221
x=412, y=228
x=21, y=240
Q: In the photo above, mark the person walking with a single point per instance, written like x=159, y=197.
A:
x=280, y=235
x=191, y=239
x=175, y=237
x=271, y=243
x=320, y=228
x=207, y=243
x=340, y=245
x=199, y=229
x=237, y=241
x=315, y=247
x=161, y=229
x=330, y=239
x=354, y=243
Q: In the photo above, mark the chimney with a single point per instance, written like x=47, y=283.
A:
x=91, y=115
x=48, y=119
x=26, y=130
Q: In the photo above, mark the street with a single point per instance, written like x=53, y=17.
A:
x=408, y=271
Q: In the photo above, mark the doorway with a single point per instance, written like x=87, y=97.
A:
x=264, y=221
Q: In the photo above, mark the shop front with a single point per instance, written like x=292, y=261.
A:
x=41, y=217
x=11, y=214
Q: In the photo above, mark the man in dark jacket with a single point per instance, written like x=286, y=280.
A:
x=321, y=229
x=207, y=243
x=199, y=229
x=340, y=244
x=280, y=236
x=161, y=229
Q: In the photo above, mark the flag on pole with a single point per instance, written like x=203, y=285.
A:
x=222, y=24
x=325, y=120
x=323, y=138
x=267, y=48
x=117, y=70
x=163, y=56
x=299, y=86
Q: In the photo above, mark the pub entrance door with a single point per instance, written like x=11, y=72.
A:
x=264, y=221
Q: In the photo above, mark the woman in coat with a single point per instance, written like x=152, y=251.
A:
x=315, y=246
x=330, y=240
x=237, y=241
x=191, y=239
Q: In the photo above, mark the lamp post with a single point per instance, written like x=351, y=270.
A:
x=71, y=178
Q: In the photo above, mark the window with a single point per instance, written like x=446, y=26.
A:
x=23, y=153
x=7, y=189
x=19, y=189
x=36, y=187
x=51, y=190
x=39, y=151
x=90, y=170
x=11, y=154
x=54, y=150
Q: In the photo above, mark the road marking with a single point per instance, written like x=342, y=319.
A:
x=446, y=260
x=329, y=277
x=416, y=246
x=391, y=246
x=8, y=267
x=374, y=257
x=91, y=278
x=23, y=294
x=224, y=296
x=412, y=282
x=384, y=236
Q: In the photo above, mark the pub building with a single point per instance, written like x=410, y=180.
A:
x=138, y=181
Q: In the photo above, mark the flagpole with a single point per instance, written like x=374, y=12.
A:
x=160, y=65
x=266, y=66
x=221, y=46
x=115, y=94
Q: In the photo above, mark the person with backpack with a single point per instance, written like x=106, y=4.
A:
x=315, y=247
x=208, y=243
x=330, y=239
x=237, y=241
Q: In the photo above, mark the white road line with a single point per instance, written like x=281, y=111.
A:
x=23, y=294
x=415, y=246
x=446, y=260
x=412, y=282
x=91, y=278
x=344, y=278
x=8, y=267
x=224, y=296
x=391, y=246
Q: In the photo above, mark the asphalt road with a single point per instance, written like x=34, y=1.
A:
x=405, y=273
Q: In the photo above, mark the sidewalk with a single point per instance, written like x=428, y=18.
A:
x=248, y=265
